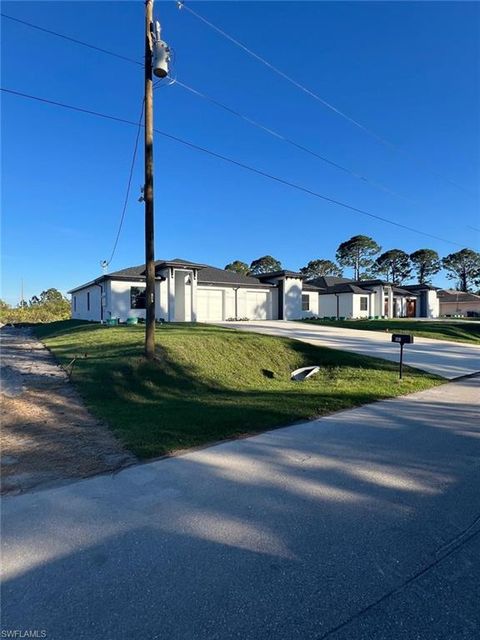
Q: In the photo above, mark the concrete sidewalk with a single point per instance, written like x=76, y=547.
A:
x=447, y=359
x=362, y=524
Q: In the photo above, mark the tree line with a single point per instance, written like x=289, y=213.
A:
x=48, y=306
x=364, y=257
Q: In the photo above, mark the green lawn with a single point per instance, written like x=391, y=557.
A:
x=212, y=383
x=440, y=330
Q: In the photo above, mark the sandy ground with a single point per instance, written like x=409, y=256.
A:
x=47, y=433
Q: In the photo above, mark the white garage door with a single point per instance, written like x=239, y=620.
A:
x=209, y=305
x=258, y=305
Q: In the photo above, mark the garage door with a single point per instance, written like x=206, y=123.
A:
x=258, y=307
x=209, y=305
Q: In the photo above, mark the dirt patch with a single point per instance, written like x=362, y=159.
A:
x=47, y=434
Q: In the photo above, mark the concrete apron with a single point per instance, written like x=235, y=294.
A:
x=449, y=360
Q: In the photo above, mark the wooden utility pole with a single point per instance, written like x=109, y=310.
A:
x=148, y=188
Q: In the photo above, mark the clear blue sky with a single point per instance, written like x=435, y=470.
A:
x=409, y=71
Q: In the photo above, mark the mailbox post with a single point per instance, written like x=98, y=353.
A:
x=401, y=339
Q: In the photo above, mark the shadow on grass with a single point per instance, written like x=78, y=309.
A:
x=209, y=382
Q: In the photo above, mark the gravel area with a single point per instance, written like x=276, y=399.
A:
x=47, y=435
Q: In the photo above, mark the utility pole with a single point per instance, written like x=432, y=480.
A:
x=148, y=188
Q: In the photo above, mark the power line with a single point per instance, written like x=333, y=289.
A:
x=107, y=117
x=69, y=106
x=238, y=164
x=210, y=99
x=304, y=189
x=373, y=183
x=75, y=40
x=289, y=141
x=181, y=5
x=129, y=184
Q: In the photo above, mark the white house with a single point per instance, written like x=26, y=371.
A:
x=191, y=292
x=458, y=303
x=345, y=298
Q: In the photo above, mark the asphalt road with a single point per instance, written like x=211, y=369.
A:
x=361, y=525
x=442, y=357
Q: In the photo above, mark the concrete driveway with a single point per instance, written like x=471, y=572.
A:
x=361, y=525
x=447, y=359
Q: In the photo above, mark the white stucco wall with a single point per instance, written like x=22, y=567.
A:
x=379, y=300
x=345, y=305
x=119, y=306
x=79, y=304
x=433, y=304
x=458, y=308
x=292, y=298
x=400, y=306
x=389, y=294
x=313, y=304
x=161, y=301
x=118, y=300
x=327, y=306
x=357, y=311
x=177, y=295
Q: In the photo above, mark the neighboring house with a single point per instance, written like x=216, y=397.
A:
x=191, y=292
x=458, y=303
x=345, y=298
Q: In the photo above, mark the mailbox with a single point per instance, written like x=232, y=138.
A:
x=402, y=338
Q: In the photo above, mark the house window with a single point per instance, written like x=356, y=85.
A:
x=138, y=298
x=74, y=303
x=364, y=303
x=305, y=302
x=88, y=300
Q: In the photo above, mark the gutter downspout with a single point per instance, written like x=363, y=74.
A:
x=338, y=305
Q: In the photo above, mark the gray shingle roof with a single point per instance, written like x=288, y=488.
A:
x=308, y=286
x=345, y=287
x=450, y=295
x=206, y=273
x=404, y=292
x=419, y=287
x=282, y=272
x=327, y=281
x=212, y=275
x=139, y=270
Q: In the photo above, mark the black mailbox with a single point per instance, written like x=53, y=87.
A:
x=402, y=338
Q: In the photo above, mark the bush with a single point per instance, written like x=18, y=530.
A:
x=51, y=306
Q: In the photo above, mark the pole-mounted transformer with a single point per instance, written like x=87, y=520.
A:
x=161, y=54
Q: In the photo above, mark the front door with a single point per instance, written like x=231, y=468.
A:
x=411, y=308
